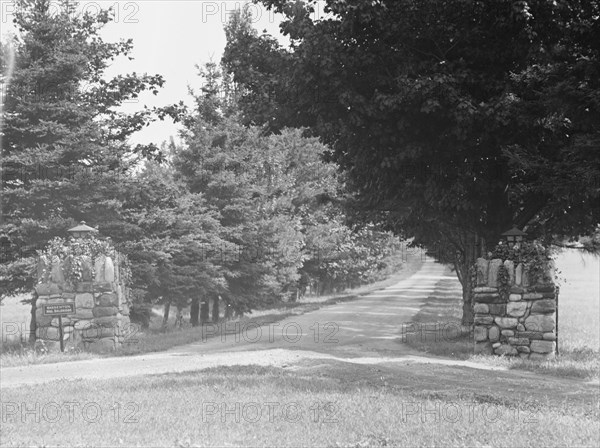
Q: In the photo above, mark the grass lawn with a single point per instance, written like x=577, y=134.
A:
x=256, y=406
x=579, y=323
x=15, y=353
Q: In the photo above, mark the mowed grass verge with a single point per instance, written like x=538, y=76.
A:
x=257, y=406
x=15, y=353
x=439, y=330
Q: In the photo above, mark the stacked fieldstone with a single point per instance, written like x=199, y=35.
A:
x=101, y=321
x=519, y=320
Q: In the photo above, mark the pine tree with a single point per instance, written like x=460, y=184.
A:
x=65, y=155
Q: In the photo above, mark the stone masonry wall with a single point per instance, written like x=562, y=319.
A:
x=519, y=320
x=101, y=321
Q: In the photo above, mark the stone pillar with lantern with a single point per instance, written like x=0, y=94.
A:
x=515, y=300
x=82, y=294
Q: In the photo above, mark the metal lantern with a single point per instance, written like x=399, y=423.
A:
x=514, y=236
x=82, y=230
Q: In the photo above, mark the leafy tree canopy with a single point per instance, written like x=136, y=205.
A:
x=453, y=119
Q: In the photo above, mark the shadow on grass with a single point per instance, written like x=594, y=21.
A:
x=436, y=329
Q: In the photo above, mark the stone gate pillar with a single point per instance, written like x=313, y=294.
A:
x=515, y=314
x=101, y=320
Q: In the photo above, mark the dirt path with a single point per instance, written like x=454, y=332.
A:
x=346, y=340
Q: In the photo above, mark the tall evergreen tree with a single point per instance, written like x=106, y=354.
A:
x=65, y=155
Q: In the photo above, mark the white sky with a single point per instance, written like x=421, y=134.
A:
x=169, y=38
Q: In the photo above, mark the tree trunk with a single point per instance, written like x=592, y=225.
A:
x=166, y=310
x=204, y=311
x=179, y=320
x=215, y=310
x=32, y=322
x=474, y=248
x=194, y=311
x=467, y=317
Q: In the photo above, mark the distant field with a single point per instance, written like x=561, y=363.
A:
x=579, y=301
x=14, y=318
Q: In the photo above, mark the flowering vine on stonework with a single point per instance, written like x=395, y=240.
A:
x=73, y=252
x=536, y=257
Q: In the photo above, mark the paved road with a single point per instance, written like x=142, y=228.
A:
x=367, y=330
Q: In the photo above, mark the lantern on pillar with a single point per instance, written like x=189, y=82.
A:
x=82, y=230
x=514, y=236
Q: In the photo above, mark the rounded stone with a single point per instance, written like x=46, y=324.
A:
x=494, y=267
x=48, y=289
x=85, y=313
x=540, y=322
x=104, y=311
x=544, y=306
x=56, y=273
x=510, y=267
x=96, y=332
x=516, y=309
x=124, y=309
x=84, y=287
x=532, y=296
x=109, y=270
x=506, y=349
x=108, y=299
x=542, y=346
x=518, y=341
x=103, y=287
x=483, y=319
x=530, y=334
x=480, y=333
x=494, y=333
x=482, y=271
x=65, y=321
x=519, y=274
x=111, y=321
x=506, y=322
x=82, y=324
x=99, y=268
x=86, y=270
x=84, y=300
x=481, y=308
x=488, y=298
x=497, y=309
